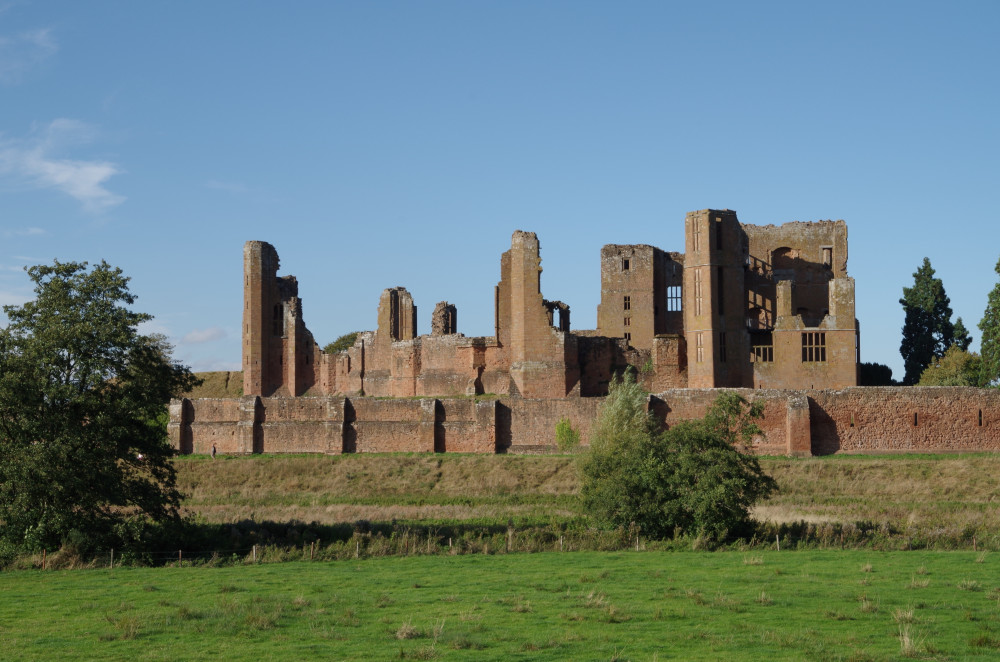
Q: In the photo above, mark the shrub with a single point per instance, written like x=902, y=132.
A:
x=566, y=437
x=342, y=343
x=693, y=478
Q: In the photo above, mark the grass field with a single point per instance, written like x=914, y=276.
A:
x=945, y=501
x=816, y=605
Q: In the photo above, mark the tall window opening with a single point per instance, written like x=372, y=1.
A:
x=278, y=323
x=625, y=264
x=697, y=292
x=627, y=322
x=762, y=347
x=828, y=256
x=813, y=347
x=674, y=298
x=699, y=347
x=722, y=346
x=720, y=288
x=628, y=303
x=628, y=336
x=718, y=234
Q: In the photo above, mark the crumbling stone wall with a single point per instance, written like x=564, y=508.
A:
x=908, y=419
x=851, y=420
x=444, y=321
x=744, y=306
x=640, y=293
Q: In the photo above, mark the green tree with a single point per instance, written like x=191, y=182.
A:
x=956, y=368
x=84, y=456
x=989, y=346
x=345, y=341
x=927, y=329
x=875, y=374
x=697, y=477
x=567, y=438
x=962, y=339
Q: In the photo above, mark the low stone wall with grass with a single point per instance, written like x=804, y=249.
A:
x=852, y=420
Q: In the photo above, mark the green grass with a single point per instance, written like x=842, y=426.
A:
x=920, y=501
x=826, y=605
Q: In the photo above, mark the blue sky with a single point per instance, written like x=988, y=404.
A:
x=378, y=144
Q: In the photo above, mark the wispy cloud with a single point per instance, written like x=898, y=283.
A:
x=25, y=232
x=204, y=335
x=34, y=162
x=21, y=52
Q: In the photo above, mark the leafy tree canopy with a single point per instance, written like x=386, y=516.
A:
x=697, y=477
x=927, y=329
x=989, y=348
x=84, y=456
x=956, y=368
x=875, y=374
x=345, y=341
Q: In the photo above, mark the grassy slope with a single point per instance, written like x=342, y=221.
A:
x=916, y=493
x=640, y=606
x=217, y=385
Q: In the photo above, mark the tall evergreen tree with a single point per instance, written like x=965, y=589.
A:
x=927, y=329
x=962, y=338
x=989, y=348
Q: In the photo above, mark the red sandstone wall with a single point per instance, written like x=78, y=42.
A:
x=686, y=404
x=532, y=423
x=947, y=419
x=466, y=426
x=859, y=419
x=302, y=425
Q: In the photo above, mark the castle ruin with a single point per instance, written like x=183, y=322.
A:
x=767, y=310
x=744, y=306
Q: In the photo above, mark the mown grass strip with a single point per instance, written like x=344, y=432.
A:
x=639, y=606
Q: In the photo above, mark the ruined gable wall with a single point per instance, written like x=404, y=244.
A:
x=628, y=297
x=544, y=361
x=798, y=251
x=799, y=279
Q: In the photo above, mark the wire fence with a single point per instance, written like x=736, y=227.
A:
x=407, y=542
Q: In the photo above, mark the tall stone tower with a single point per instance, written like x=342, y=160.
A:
x=261, y=315
x=714, y=299
x=544, y=359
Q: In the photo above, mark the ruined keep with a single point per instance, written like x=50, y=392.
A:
x=744, y=306
x=765, y=309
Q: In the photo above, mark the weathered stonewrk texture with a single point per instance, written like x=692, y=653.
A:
x=532, y=423
x=733, y=311
x=922, y=419
x=302, y=425
x=444, y=319
x=686, y=404
x=852, y=420
x=635, y=299
x=797, y=283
